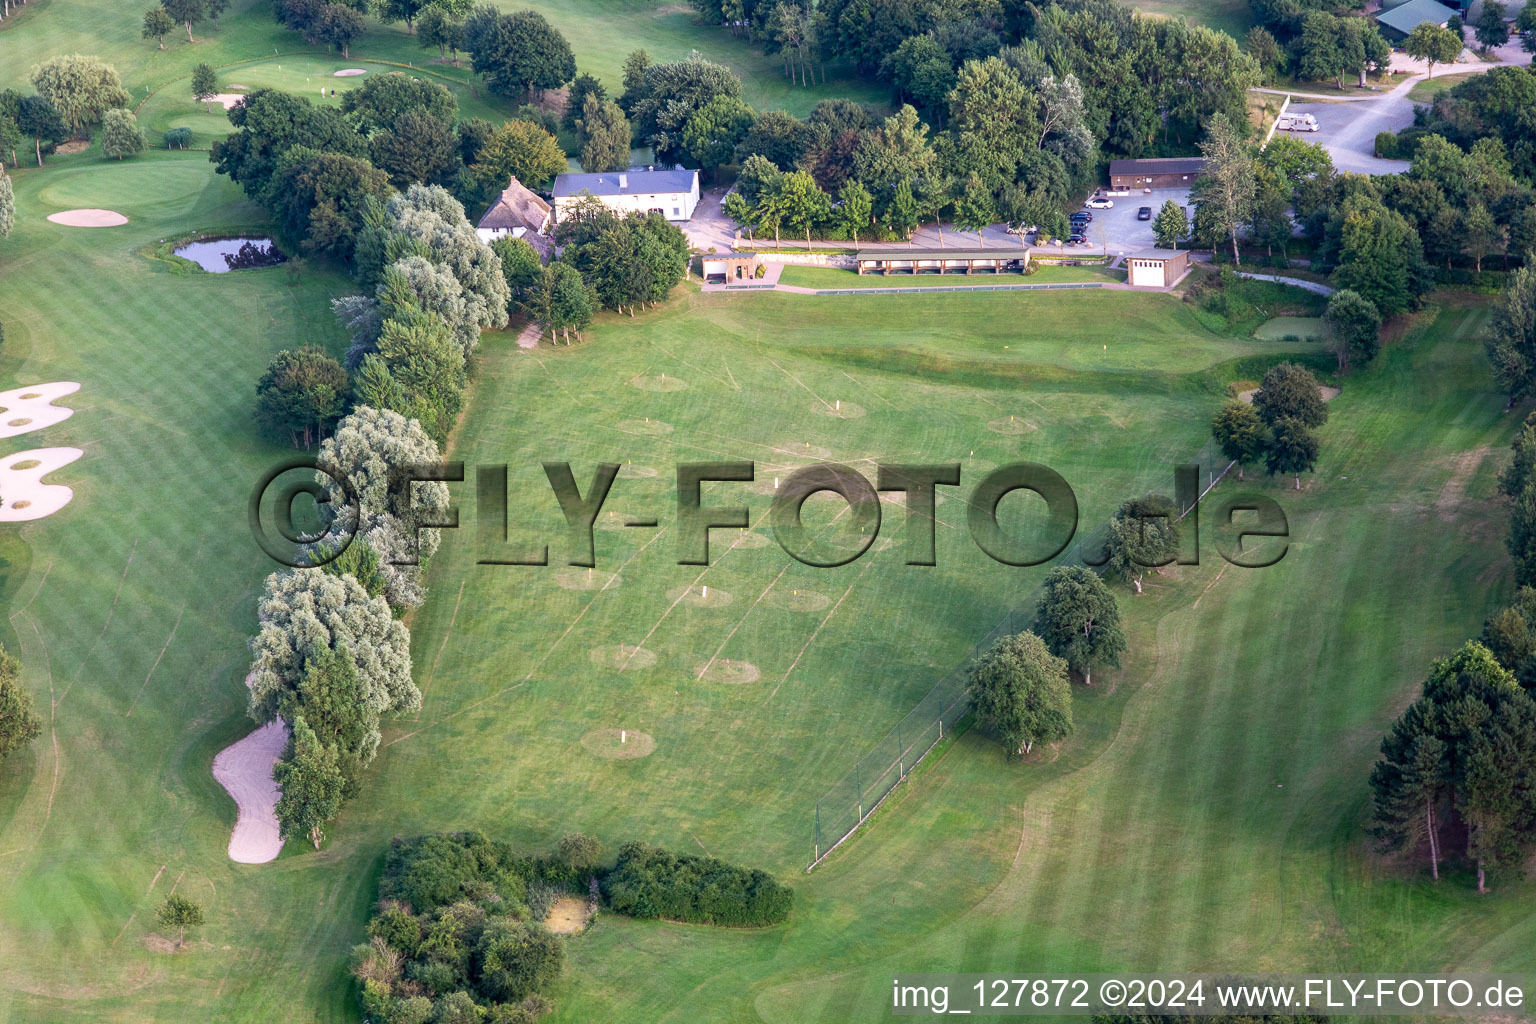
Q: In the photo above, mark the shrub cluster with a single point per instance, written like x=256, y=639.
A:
x=650, y=882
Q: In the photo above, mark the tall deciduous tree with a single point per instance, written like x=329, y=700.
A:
x=18, y=724
x=603, y=134
x=517, y=149
x=1433, y=44
x=180, y=913
x=1227, y=183
x=1240, y=433
x=156, y=24
x=1354, y=326
x=187, y=12
x=1511, y=338
x=205, y=84
x=1020, y=690
x=856, y=209
x=301, y=394
x=518, y=54
x=306, y=612
x=120, y=134
x=1170, y=226
x=1143, y=535
x=7, y=205
x=1289, y=391
x=312, y=783
x=81, y=89
x=1079, y=620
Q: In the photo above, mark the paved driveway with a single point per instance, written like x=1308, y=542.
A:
x=1119, y=233
x=1348, y=130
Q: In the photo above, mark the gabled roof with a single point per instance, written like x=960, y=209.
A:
x=517, y=208
x=1159, y=165
x=635, y=181
x=1406, y=17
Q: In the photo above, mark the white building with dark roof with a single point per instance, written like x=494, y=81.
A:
x=672, y=193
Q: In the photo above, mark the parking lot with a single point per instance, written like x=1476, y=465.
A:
x=1118, y=232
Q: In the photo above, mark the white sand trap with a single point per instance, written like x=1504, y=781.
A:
x=350, y=72
x=229, y=99
x=244, y=769
x=23, y=495
x=88, y=218
x=23, y=410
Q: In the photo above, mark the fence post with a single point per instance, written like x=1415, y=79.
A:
x=901, y=754
x=859, y=785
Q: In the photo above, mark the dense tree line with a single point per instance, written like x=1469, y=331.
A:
x=1458, y=768
x=319, y=170
x=458, y=931
x=651, y=882
x=458, y=935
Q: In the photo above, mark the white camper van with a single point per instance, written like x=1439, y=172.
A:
x=1297, y=123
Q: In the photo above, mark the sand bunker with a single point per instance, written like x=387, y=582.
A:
x=26, y=409
x=350, y=72
x=587, y=579
x=567, y=917
x=228, y=99
x=244, y=769
x=1010, y=425
x=23, y=495
x=650, y=428
x=725, y=670
x=623, y=657
x=88, y=218
x=661, y=383
x=839, y=409
x=700, y=596
x=618, y=744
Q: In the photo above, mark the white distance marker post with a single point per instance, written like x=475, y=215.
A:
x=623, y=735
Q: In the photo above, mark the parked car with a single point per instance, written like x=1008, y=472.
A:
x=1080, y=217
x=1145, y=213
x=1077, y=239
x=1100, y=203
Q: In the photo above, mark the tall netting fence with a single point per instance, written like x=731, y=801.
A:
x=850, y=802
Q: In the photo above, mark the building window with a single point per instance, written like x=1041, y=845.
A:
x=674, y=211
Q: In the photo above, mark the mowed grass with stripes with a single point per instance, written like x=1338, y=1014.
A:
x=1205, y=814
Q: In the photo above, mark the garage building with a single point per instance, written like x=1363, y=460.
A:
x=1156, y=268
x=1158, y=172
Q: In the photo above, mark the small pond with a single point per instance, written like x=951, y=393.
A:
x=221, y=255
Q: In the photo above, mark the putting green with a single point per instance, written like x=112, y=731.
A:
x=1277, y=328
